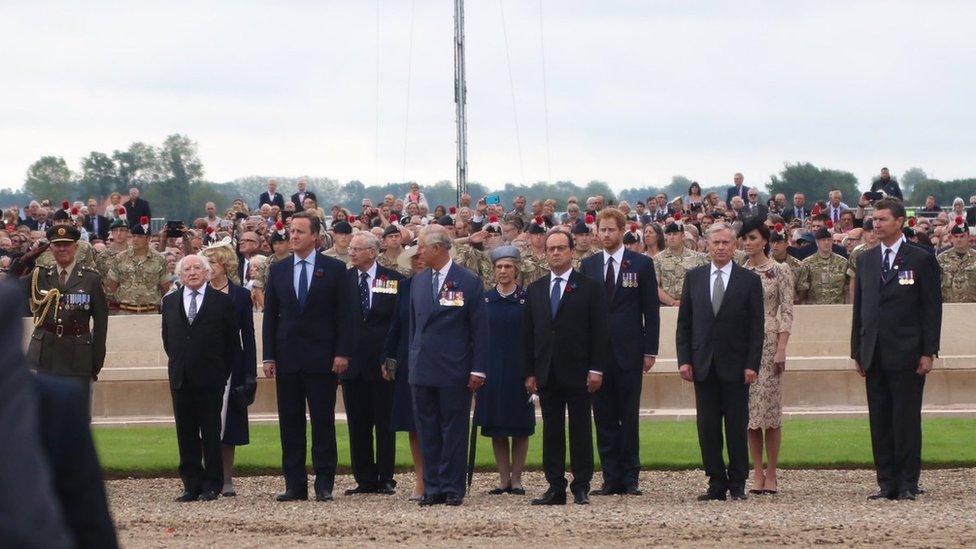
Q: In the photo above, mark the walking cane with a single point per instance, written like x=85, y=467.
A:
x=472, y=444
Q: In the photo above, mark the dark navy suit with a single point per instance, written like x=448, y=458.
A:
x=634, y=332
x=303, y=341
x=447, y=344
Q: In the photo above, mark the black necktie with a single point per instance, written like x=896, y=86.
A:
x=611, y=281
x=364, y=294
x=886, y=264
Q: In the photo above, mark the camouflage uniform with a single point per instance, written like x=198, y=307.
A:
x=85, y=257
x=103, y=262
x=670, y=269
x=533, y=268
x=852, y=258
x=477, y=261
x=139, y=279
x=958, y=276
x=796, y=270
x=579, y=256
x=385, y=261
x=334, y=254
x=261, y=277
x=824, y=279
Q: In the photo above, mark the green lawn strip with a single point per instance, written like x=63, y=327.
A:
x=817, y=444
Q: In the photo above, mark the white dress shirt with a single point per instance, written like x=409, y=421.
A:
x=894, y=251
x=370, y=277
x=726, y=273
x=187, y=297
x=310, y=264
x=618, y=258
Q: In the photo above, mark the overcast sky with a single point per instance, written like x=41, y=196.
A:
x=637, y=90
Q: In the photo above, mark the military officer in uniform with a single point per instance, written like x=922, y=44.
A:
x=392, y=248
x=340, y=248
x=70, y=313
x=777, y=252
x=478, y=259
x=534, y=262
x=119, y=231
x=870, y=241
x=84, y=256
x=825, y=273
x=138, y=276
x=583, y=243
x=958, y=267
x=672, y=263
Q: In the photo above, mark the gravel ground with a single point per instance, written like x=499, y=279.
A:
x=813, y=508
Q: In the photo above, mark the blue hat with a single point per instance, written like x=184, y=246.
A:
x=505, y=252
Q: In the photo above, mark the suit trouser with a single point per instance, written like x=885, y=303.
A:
x=717, y=400
x=616, y=412
x=442, y=415
x=895, y=414
x=555, y=400
x=369, y=407
x=319, y=391
x=197, y=415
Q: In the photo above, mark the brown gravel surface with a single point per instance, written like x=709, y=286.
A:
x=813, y=508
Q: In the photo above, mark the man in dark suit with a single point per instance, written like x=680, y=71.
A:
x=887, y=185
x=97, y=226
x=32, y=515
x=306, y=344
x=630, y=288
x=566, y=339
x=895, y=336
x=70, y=451
x=448, y=361
x=367, y=396
x=798, y=211
x=719, y=345
x=753, y=209
x=738, y=189
x=272, y=196
x=135, y=207
x=298, y=199
x=201, y=339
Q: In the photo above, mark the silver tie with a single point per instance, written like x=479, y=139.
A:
x=192, y=313
x=718, y=292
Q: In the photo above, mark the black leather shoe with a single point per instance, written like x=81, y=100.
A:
x=606, y=490
x=453, y=501
x=917, y=491
x=323, y=495
x=292, y=495
x=209, y=495
x=188, y=496
x=581, y=497
x=738, y=494
x=517, y=491
x=229, y=494
x=906, y=495
x=882, y=494
x=712, y=496
x=551, y=497
x=633, y=491
x=359, y=489
x=433, y=500
x=499, y=491
x=385, y=488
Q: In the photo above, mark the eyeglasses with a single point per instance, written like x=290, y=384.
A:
x=557, y=248
x=251, y=240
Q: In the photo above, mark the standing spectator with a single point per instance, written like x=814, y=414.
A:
x=448, y=361
x=824, y=279
x=247, y=249
x=632, y=300
x=565, y=340
x=931, y=206
x=753, y=209
x=97, y=225
x=298, y=199
x=396, y=368
x=895, y=335
x=415, y=196
x=306, y=344
x=138, y=276
x=887, y=185
x=834, y=206
x=504, y=409
x=272, y=196
x=242, y=384
x=135, y=207
x=694, y=202
x=719, y=346
x=958, y=265
x=766, y=394
x=202, y=340
x=367, y=396
x=518, y=209
x=738, y=189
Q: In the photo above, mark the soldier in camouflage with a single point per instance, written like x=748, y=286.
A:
x=958, y=267
x=777, y=251
x=340, y=248
x=534, y=262
x=583, y=243
x=870, y=242
x=392, y=248
x=281, y=249
x=139, y=276
x=84, y=256
x=824, y=274
x=672, y=263
x=119, y=236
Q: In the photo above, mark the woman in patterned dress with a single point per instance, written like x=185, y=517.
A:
x=765, y=395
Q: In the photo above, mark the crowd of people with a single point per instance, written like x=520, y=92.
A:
x=410, y=310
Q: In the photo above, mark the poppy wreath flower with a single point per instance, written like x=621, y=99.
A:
x=677, y=216
x=912, y=221
x=144, y=220
x=74, y=211
x=960, y=220
x=452, y=210
x=569, y=289
x=590, y=219
x=382, y=278
x=319, y=273
x=210, y=230
x=120, y=211
x=830, y=224
x=64, y=205
x=449, y=285
x=778, y=227
x=279, y=226
x=625, y=264
x=394, y=218
x=493, y=219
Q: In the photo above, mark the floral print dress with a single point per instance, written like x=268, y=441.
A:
x=766, y=395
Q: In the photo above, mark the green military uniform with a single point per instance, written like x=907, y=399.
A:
x=331, y=252
x=824, y=279
x=533, y=268
x=261, y=277
x=70, y=318
x=580, y=255
x=394, y=264
x=139, y=280
x=796, y=269
x=85, y=256
x=477, y=261
x=958, y=276
x=852, y=258
x=670, y=269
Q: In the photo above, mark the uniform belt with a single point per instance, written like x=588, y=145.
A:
x=137, y=308
x=69, y=330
